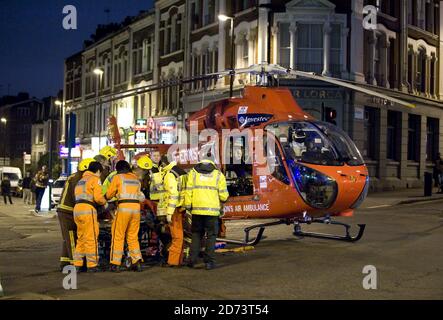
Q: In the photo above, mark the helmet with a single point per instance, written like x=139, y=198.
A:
x=144, y=162
x=84, y=164
x=299, y=135
x=108, y=152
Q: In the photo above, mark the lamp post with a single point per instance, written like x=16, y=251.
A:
x=4, y=121
x=223, y=17
x=99, y=72
x=60, y=104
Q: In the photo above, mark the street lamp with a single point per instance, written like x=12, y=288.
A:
x=4, y=121
x=99, y=72
x=223, y=18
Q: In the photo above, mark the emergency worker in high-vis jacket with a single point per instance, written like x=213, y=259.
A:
x=125, y=186
x=205, y=193
x=65, y=215
x=171, y=201
x=88, y=195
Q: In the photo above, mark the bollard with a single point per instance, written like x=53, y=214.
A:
x=428, y=184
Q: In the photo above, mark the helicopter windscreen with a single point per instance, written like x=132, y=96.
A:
x=316, y=143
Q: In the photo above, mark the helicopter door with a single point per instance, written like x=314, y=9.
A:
x=238, y=165
x=274, y=161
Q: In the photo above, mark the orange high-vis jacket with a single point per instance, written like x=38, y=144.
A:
x=89, y=190
x=126, y=187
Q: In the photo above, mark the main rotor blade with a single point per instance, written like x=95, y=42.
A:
x=349, y=85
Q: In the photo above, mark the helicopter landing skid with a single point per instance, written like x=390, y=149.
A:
x=256, y=240
x=347, y=237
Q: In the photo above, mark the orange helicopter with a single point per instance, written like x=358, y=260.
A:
x=312, y=170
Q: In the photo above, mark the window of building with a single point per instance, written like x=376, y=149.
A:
x=421, y=71
x=371, y=141
x=414, y=137
x=310, y=47
x=285, y=45
x=432, y=138
x=410, y=66
x=245, y=53
x=377, y=60
x=432, y=77
x=393, y=135
x=40, y=135
x=335, y=65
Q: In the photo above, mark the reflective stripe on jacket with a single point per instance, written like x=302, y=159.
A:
x=170, y=196
x=89, y=190
x=125, y=187
x=67, y=199
x=205, y=192
x=156, y=187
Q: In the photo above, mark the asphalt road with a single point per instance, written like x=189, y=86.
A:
x=404, y=243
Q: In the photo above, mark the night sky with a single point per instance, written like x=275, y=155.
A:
x=33, y=43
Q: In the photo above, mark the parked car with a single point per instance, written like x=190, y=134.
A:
x=57, y=189
x=15, y=176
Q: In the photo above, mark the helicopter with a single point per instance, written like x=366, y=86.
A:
x=312, y=171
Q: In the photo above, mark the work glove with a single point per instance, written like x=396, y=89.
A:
x=169, y=218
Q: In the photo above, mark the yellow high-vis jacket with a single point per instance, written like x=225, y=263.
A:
x=156, y=187
x=107, y=183
x=205, y=189
x=174, y=182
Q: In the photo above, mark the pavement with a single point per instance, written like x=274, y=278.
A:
x=402, y=241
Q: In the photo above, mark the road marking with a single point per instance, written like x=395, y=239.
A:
x=380, y=206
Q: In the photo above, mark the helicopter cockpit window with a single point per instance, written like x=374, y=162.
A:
x=238, y=168
x=343, y=144
x=305, y=142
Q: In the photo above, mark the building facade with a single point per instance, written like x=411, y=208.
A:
x=184, y=38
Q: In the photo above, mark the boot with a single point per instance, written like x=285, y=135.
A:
x=93, y=270
x=114, y=268
x=137, y=267
x=210, y=266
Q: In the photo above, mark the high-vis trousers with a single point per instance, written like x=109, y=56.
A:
x=125, y=226
x=69, y=234
x=85, y=217
x=176, y=247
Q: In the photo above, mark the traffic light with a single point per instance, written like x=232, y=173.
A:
x=330, y=115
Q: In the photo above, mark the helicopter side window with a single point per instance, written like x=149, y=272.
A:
x=275, y=164
x=238, y=169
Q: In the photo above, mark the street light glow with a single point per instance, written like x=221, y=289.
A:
x=98, y=71
x=58, y=103
x=4, y=120
x=223, y=17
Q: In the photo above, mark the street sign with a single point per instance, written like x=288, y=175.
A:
x=27, y=158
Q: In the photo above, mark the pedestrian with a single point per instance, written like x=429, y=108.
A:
x=205, y=192
x=438, y=169
x=6, y=189
x=127, y=189
x=65, y=214
x=26, y=184
x=170, y=205
x=88, y=195
x=41, y=182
